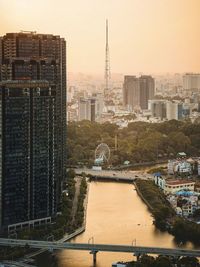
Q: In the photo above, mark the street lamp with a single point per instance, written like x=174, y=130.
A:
x=134, y=241
x=91, y=239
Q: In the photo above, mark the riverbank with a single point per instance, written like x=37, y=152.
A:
x=77, y=232
x=156, y=202
x=161, y=260
x=165, y=218
x=64, y=228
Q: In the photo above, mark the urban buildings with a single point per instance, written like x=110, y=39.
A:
x=157, y=108
x=171, y=110
x=90, y=108
x=137, y=91
x=147, y=87
x=191, y=82
x=86, y=109
x=173, y=186
x=33, y=110
x=174, y=110
x=131, y=92
x=28, y=163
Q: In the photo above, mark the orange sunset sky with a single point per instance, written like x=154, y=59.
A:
x=151, y=36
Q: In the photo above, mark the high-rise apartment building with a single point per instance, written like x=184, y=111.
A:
x=27, y=152
x=158, y=108
x=131, y=92
x=137, y=91
x=87, y=109
x=31, y=58
x=174, y=110
x=147, y=87
x=191, y=82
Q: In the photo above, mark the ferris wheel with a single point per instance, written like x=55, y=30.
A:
x=102, y=154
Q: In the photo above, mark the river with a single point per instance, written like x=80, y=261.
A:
x=115, y=215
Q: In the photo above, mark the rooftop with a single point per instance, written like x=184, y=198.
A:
x=178, y=182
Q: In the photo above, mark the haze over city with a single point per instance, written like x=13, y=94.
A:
x=99, y=133
x=149, y=36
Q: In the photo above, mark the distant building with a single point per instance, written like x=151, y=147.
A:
x=191, y=82
x=174, y=110
x=179, y=166
x=91, y=108
x=131, y=92
x=99, y=105
x=147, y=87
x=157, y=108
x=137, y=91
x=87, y=109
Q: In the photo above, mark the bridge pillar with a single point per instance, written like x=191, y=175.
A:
x=50, y=249
x=94, y=253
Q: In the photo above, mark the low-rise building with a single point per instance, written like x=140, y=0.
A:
x=179, y=166
x=184, y=203
x=173, y=186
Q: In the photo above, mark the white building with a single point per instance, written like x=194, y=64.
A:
x=173, y=186
x=174, y=110
x=159, y=181
x=86, y=109
x=179, y=166
x=183, y=167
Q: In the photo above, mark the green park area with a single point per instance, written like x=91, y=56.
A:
x=139, y=142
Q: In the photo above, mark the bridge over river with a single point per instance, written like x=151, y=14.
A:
x=95, y=248
x=110, y=175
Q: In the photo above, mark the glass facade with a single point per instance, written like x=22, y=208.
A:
x=28, y=151
x=35, y=57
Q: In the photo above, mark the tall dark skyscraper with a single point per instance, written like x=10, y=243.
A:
x=131, y=92
x=137, y=91
x=147, y=87
x=33, y=78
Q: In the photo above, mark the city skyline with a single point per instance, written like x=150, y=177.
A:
x=145, y=36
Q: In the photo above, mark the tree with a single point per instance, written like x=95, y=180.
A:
x=163, y=261
x=188, y=262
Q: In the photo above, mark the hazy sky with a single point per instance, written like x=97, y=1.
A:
x=145, y=35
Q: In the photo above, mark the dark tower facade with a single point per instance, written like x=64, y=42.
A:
x=147, y=85
x=137, y=91
x=27, y=59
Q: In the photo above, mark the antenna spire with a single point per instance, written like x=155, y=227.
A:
x=107, y=64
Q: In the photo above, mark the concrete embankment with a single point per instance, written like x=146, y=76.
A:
x=68, y=237
x=142, y=197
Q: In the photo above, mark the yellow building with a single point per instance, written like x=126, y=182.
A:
x=173, y=186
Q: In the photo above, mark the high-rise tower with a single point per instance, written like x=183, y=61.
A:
x=137, y=91
x=107, y=64
x=33, y=114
